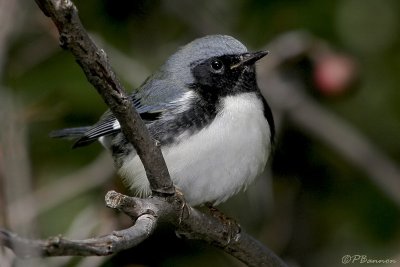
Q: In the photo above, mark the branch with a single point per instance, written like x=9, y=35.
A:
x=99, y=73
x=100, y=246
x=147, y=213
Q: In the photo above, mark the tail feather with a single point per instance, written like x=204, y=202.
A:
x=69, y=133
x=77, y=134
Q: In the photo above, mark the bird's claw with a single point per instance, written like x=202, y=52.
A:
x=184, y=208
x=234, y=229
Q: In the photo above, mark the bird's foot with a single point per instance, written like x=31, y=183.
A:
x=184, y=208
x=234, y=229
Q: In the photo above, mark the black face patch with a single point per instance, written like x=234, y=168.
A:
x=216, y=77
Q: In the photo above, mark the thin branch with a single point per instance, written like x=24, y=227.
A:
x=147, y=213
x=100, y=246
x=244, y=247
x=99, y=73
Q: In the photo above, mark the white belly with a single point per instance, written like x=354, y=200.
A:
x=219, y=160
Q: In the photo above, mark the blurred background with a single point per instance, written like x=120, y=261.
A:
x=332, y=187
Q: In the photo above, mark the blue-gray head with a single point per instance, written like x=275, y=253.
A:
x=181, y=64
x=211, y=64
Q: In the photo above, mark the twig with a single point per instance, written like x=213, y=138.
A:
x=123, y=64
x=147, y=213
x=94, y=63
x=89, y=221
x=100, y=246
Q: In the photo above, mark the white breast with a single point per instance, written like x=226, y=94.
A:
x=219, y=160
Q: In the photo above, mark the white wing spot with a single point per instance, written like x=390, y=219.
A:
x=116, y=125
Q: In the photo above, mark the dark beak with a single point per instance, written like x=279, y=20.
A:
x=249, y=58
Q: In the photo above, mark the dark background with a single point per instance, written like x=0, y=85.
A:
x=313, y=205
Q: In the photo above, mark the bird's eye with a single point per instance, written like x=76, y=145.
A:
x=217, y=65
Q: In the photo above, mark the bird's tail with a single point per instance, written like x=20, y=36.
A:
x=69, y=133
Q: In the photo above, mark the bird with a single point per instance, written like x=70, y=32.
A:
x=205, y=109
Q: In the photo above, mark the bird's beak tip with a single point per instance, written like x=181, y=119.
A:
x=250, y=58
x=259, y=55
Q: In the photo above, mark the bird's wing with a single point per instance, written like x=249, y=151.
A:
x=159, y=92
x=151, y=100
x=108, y=124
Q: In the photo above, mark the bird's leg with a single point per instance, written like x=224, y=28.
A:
x=233, y=226
x=184, y=208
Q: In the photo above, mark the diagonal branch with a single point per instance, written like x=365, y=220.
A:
x=99, y=73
